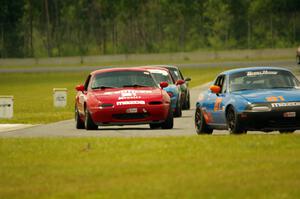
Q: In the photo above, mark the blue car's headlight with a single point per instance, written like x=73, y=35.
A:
x=258, y=108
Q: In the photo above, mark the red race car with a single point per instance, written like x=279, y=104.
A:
x=122, y=96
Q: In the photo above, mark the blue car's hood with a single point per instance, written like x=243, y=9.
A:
x=171, y=88
x=264, y=95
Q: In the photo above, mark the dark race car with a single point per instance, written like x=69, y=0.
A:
x=261, y=98
x=185, y=92
x=122, y=96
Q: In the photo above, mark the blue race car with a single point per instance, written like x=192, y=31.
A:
x=173, y=89
x=259, y=98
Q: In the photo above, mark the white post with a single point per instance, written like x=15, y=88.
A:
x=6, y=107
x=60, y=97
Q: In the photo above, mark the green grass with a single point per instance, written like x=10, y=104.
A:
x=33, y=92
x=33, y=95
x=202, y=75
x=246, y=166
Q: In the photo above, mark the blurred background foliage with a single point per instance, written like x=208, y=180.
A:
x=54, y=28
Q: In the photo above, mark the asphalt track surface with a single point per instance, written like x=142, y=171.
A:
x=285, y=63
x=183, y=126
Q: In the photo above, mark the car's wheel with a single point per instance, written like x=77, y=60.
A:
x=178, y=109
x=287, y=131
x=89, y=123
x=79, y=122
x=187, y=103
x=200, y=123
x=155, y=126
x=233, y=123
x=168, y=123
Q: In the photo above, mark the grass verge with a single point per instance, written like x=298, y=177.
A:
x=33, y=92
x=33, y=95
x=246, y=166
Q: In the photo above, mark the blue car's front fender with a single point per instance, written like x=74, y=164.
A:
x=175, y=97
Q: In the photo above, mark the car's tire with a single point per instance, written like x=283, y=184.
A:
x=178, y=109
x=187, y=103
x=200, y=123
x=284, y=131
x=89, y=123
x=155, y=125
x=79, y=122
x=169, y=122
x=233, y=122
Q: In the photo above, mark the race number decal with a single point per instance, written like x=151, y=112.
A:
x=217, y=106
x=275, y=98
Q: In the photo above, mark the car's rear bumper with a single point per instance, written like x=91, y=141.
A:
x=287, y=119
x=145, y=114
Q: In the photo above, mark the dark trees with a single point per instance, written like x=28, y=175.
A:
x=35, y=28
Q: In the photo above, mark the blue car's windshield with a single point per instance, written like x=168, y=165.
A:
x=262, y=79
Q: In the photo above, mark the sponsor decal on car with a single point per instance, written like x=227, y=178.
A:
x=129, y=91
x=130, y=103
x=218, y=102
x=128, y=96
x=285, y=104
x=265, y=72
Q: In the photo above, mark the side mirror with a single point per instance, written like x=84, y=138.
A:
x=215, y=89
x=180, y=82
x=80, y=88
x=163, y=84
x=187, y=79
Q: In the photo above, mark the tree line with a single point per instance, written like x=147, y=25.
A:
x=48, y=28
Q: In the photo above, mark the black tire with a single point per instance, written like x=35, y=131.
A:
x=89, y=123
x=169, y=122
x=79, y=122
x=178, y=109
x=285, y=131
x=155, y=126
x=200, y=123
x=233, y=123
x=187, y=103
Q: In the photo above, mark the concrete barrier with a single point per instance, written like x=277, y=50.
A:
x=60, y=97
x=6, y=107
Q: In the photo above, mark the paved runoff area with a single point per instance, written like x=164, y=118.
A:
x=13, y=127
